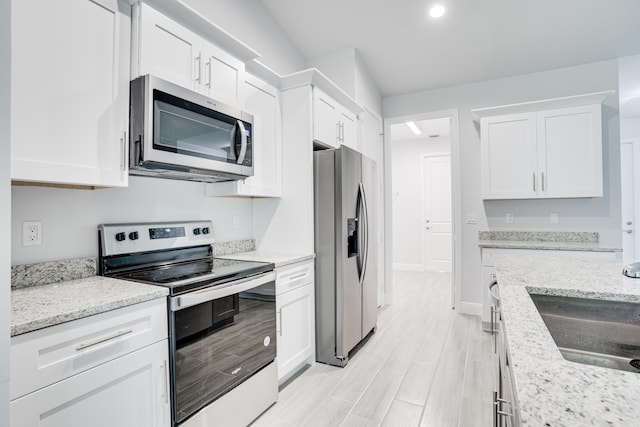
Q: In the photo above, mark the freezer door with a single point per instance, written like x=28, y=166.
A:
x=348, y=289
x=369, y=247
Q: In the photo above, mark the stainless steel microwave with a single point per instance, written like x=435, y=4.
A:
x=177, y=133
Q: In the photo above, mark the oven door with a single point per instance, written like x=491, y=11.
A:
x=219, y=337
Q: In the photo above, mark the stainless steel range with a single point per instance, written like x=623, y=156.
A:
x=222, y=318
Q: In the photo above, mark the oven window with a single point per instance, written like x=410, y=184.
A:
x=219, y=344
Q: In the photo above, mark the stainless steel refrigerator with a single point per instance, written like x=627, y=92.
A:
x=345, y=246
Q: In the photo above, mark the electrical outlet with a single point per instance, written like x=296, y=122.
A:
x=553, y=218
x=31, y=233
x=509, y=218
x=236, y=222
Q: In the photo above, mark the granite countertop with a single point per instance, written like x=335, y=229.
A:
x=37, y=307
x=551, y=390
x=543, y=245
x=278, y=258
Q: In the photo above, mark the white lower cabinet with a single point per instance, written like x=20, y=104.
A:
x=506, y=412
x=296, y=318
x=110, y=369
x=131, y=391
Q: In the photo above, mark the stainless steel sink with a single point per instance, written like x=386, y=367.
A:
x=593, y=332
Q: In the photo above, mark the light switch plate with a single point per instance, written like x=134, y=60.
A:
x=553, y=218
x=509, y=218
x=471, y=218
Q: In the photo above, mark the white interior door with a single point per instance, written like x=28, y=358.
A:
x=437, y=236
x=630, y=188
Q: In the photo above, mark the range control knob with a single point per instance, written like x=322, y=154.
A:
x=196, y=231
x=133, y=235
x=205, y=230
x=120, y=236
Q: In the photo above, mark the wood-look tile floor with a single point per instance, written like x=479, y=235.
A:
x=426, y=366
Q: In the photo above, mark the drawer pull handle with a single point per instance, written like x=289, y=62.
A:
x=105, y=339
x=297, y=276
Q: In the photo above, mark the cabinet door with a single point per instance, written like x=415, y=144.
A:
x=70, y=91
x=295, y=329
x=325, y=125
x=131, y=391
x=570, y=148
x=347, y=123
x=369, y=136
x=263, y=102
x=509, y=157
x=166, y=49
x=222, y=75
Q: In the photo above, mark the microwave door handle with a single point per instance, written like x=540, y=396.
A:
x=243, y=141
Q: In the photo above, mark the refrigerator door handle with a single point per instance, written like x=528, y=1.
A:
x=364, y=226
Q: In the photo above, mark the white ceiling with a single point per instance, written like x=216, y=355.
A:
x=431, y=128
x=406, y=51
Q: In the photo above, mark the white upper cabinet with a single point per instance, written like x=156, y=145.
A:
x=570, y=148
x=543, y=153
x=164, y=48
x=509, y=156
x=70, y=92
x=333, y=125
x=263, y=102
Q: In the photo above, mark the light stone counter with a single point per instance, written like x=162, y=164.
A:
x=38, y=307
x=279, y=259
x=551, y=390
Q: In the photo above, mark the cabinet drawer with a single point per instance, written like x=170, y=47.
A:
x=293, y=276
x=52, y=354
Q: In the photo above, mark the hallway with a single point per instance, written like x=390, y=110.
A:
x=425, y=366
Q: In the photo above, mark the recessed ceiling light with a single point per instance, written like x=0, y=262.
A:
x=436, y=11
x=414, y=128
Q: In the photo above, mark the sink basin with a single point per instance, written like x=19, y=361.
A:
x=593, y=332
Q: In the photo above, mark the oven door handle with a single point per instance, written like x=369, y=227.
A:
x=198, y=297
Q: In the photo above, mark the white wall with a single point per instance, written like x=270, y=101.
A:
x=630, y=128
x=599, y=214
x=407, y=195
x=5, y=206
x=252, y=24
x=346, y=69
x=70, y=217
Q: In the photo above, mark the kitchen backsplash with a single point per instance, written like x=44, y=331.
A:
x=540, y=236
x=45, y=273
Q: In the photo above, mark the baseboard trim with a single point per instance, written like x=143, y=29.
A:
x=407, y=267
x=469, y=308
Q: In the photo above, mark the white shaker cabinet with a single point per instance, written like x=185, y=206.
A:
x=570, y=151
x=536, y=152
x=333, y=125
x=110, y=369
x=509, y=156
x=295, y=309
x=169, y=50
x=263, y=102
x=130, y=391
x=70, y=92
